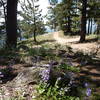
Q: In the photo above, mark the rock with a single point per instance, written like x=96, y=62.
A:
x=27, y=76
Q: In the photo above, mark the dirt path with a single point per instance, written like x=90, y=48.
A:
x=88, y=47
x=62, y=40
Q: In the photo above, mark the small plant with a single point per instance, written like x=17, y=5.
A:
x=70, y=68
x=96, y=96
x=47, y=92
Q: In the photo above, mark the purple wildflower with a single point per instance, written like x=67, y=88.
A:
x=1, y=75
x=88, y=91
x=45, y=75
x=0, y=72
x=86, y=84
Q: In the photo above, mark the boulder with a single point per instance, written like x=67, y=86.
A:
x=27, y=76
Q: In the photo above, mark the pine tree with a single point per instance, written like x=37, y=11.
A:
x=83, y=21
x=63, y=15
x=32, y=23
x=11, y=23
x=52, y=22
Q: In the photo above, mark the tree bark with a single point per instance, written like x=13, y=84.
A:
x=89, y=26
x=83, y=21
x=69, y=24
x=34, y=22
x=11, y=23
x=98, y=30
x=34, y=29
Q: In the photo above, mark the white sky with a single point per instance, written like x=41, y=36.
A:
x=43, y=5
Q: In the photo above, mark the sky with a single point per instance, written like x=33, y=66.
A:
x=43, y=5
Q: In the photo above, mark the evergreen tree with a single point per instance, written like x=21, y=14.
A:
x=32, y=23
x=64, y=15
x=83, y=21
x=11, y=23
x=52, y=21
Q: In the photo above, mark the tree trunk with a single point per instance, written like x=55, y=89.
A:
x=35, y=35
x=83, y=21
x=69, y=25
x=98, y=30
x=89, y=26
x=35, y=29
x=11, y=23
x=34, y=22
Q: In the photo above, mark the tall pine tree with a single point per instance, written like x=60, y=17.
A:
x=11, y=23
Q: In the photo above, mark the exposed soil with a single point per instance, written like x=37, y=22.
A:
x=87, y=47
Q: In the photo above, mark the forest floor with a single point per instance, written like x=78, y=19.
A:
x=85, y=55
x=91, y=46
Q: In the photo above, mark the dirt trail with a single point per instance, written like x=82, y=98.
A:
x=87, y=47
x=62, y=40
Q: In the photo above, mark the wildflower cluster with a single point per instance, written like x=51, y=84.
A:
x=54, y=92
x=88, y=89
x=1, y=75
x=45, y=74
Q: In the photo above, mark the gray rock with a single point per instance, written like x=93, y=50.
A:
x=27, y=76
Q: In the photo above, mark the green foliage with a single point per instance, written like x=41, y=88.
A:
x=32, y=23
x=96, y=96
x=69, y=68
x=64, y=16
x=53, y=2
x=8, y=53
x=53, y=93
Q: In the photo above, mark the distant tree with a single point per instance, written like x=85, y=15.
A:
x=93, y=12
x=68, y=13
x=52, y=21
x=64, y=14
x=32, y=23
x=53, y=2
x=11, y=23
x=90, y=13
